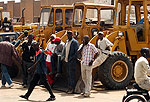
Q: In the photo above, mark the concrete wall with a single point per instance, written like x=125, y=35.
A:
x=10, y=7
x=28, y=5
x=32, y=7
x=36, y=11
x=102, y=1
x=59, y=2
x=16, y=11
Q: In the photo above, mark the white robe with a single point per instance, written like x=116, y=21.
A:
x=141, y=72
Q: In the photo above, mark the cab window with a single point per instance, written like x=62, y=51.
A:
x=59, y=17
x=45, y=12
x=68, y=16
x=91, y=17
x=51, y=20
x=78, y=16
x=106, y=17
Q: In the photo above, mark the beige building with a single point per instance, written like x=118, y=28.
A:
x=32, y=7
x=60, y=2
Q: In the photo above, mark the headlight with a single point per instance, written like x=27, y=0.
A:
x=120, y=33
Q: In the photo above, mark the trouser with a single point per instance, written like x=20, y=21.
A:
x=71, y=69
x=59, y=64
x=99, y=60
x=53, y=63
x=49, y=77
x=26, y=77
x=145, y=84
x=34, y=82
x=5, y=75
x=56, y=63
x=139, y=27
x=86, y=73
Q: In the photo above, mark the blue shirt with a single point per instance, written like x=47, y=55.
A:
x=141, y=21
x=41, y=66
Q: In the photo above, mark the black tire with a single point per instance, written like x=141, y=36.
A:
x=139, y=98
x=106, y=71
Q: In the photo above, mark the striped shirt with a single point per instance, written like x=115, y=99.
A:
x=88, y=53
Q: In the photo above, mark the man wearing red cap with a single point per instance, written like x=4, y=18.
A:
x=48, y=51
x=56, y=57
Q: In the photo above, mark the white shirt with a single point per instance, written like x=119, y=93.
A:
x=68, y=43
x=142, y=70
x=50, y=47
x=29, y=47
x=103, y=44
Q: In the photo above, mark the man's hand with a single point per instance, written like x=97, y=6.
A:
x=91, y=62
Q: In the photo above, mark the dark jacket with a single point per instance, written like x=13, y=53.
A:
x=72, y=52
x=41, y=66
x=27, y=54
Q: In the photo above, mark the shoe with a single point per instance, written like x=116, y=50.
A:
x=51, y=73
x=58, y=75
x=11, y=85
x=3, y=86
x=82, y=93
x=24, y=86
x=71, y=91
x=87, y=95
x=51, y=99
x=23, y=96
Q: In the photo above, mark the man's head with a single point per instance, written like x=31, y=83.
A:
x=86, y=39
x=52, y=37
x=145, y=52
x=69, y=35
x=30, y=38
x=100, y=35
x=57, y=40
x=26, y=33
x=35, y=46
x=5, y=19
x=7, y=38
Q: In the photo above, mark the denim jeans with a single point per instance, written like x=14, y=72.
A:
x=71, y=69
x=5, y=75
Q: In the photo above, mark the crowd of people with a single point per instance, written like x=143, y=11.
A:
x=45, y=64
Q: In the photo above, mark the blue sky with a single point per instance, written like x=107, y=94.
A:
x=5, y=1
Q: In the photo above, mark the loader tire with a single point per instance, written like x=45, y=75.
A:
x=117, y=71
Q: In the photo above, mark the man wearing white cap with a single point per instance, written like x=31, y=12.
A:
x=104, y=46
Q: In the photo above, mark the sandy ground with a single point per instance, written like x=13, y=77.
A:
x=98, y=94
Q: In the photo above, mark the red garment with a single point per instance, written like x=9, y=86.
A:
x=38, y=52
x=49, y=77
x=48, y=52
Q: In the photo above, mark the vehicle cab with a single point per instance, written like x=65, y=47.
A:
x=90, y=18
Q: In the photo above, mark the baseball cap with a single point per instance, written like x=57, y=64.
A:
x=100, y=33
x=53, y=35
x=57, y=39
